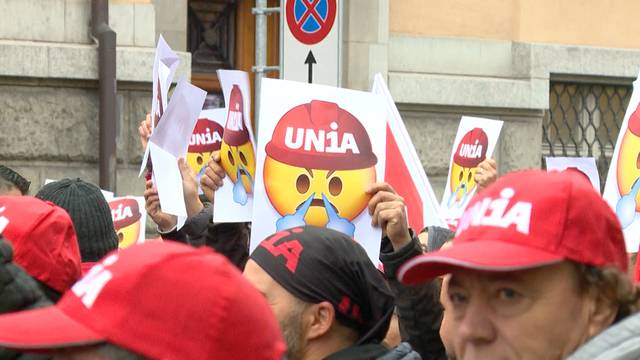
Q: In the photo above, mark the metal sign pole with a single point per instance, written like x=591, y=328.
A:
x=261, y=11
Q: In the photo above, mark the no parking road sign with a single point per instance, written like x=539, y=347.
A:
x=310, y=50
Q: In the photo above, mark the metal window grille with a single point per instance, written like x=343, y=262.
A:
x=584, y=119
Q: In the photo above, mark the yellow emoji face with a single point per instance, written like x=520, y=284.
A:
x=197, y=161
x=289, y=186
x=239, y=160
x=462, y=179
x=128, y=235
x=628, y=167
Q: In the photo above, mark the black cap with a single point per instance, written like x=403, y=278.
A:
x=16, y=179
x=89, y=212
x=318, y=264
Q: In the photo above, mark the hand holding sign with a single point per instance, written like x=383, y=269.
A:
x=388, y=211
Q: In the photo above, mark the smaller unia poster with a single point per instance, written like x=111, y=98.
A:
x=475, y=141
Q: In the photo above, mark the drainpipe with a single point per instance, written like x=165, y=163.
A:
x=105, y=37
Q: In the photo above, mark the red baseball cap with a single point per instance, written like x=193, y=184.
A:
x=349, y=149
x=472, y=149
x=161, y=300
x=43, y=238
x=525, y=220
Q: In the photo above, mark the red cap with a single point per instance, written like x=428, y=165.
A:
x=304, y=137
x=124, y=212
x=206, y=136
x=43, y=239
x=161, y=300
x=472, y=149
x=634, y=122
x=525, y=220
x=235, y=129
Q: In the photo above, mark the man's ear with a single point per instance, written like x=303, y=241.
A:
x=602, y=313
x=319, y=318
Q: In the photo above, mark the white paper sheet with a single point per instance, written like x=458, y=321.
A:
x=586, y=165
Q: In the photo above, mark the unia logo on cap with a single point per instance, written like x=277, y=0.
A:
x=3, y=220
x=493, y=212
x=321, y=141
x=90, y=286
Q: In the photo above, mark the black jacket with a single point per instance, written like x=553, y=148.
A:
x=376, y=352
x=418, y=307
x=18, y=291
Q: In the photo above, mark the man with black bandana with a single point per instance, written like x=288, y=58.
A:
x=328, y=297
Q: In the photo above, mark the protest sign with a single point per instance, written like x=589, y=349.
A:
x=404, y=170
x=164, y=67
x=474, y=142
x=585, y=165
x=319, y=149
x=205, y=139
x=129, y=218
x=622, y=188
x=170, y=141
x=234, y=200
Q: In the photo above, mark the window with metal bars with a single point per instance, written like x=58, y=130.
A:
x=583, y=120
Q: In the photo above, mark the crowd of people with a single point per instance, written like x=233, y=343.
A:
x=536, y=269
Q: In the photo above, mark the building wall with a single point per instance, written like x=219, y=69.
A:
x=49, y=88
x=492, y=58
x=610, y=23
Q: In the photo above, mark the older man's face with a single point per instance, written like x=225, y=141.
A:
x=529, y=314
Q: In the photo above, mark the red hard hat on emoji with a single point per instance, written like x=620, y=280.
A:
x=235, y=130
x=321, y=135
x=472, y=149
x=205, y=137
x=125, y=212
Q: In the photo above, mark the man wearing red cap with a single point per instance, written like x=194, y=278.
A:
x=44, y=242
x=537, y=268
x=138, y=304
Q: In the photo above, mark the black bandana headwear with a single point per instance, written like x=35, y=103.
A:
x=16, y=179
x=318, y=264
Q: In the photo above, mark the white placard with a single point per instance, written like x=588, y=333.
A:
x=475, y=141
x=319, y=149
x=129, y=219
x=164, y=67
x=585, y=165
x=234, y=200
x=622, y=189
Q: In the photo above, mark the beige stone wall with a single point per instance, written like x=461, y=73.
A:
x=611, y=23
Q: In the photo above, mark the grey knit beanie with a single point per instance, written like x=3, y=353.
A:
x=89, y=212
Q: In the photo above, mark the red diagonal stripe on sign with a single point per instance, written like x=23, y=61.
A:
x=311, y=11
x=397, y=174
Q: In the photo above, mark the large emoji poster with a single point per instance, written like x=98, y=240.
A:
x=319, y=149
x=234, y=200
x=622, y=189
x=475, y=141
x=129, y=218
x=205, y=139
